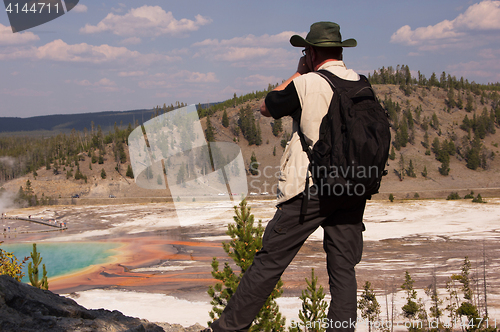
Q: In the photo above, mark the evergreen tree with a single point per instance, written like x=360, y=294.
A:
x=103, y=173
x=181, y=175
x=369, y=306
x=411, y=308
x=402, y=136
x=33, y=271
x=210, y=132
x=258, y=135
x=472, y=155
x=435, y=121
x=425, y=143
x=469, y=107
x=467, y=307
x=392, y=155
x=246, y=241
x=277, y=126
x=225, y=119
x=450, y=101
x=478, y=199
x=424, y=172
x=313, y=306
x=411, y=171
x=431, y=291
x=445, y=164
x=130, y=172
x=254, y=165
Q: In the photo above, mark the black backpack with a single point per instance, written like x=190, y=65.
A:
x=351, y=154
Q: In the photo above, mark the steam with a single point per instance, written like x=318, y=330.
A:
x=6, y=201
x=9, y=161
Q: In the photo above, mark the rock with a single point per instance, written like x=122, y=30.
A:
x=179, y=328
x=29, y=309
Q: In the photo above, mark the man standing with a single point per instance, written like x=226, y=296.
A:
x=305, y=97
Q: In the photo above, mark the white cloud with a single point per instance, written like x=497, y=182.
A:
x=58, y=50
x=105, y=82
x=7, y=37
x=250, y=40
x=177, y=79
x=131, y=73
x=102, y=85
x=487, y=67
x=80, y=8
x=259, y=81
x=146, y=21
x=250, y=51
x=83, y=83
x=120, y=9
x=131, y=41
x=478, y=19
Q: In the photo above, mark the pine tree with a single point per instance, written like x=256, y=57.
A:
x=369, y=306
x=246, y=241
x=424, y=172
x=431, y=291
x=313, y=306
x=277, y=127
x=209, y=132
x=225, y=119
x=445, y=164
x=130, y=172
x=33, y=271
x=411, y=308
x=103, y=173
x=467, y=307
x=258, y=135
x=392, y=155
x=411, y=171
x=254, y=165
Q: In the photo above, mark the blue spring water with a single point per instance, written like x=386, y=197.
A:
x=63, y=258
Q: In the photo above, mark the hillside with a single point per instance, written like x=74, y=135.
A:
x=421, y=108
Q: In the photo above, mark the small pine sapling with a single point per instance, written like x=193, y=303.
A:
x=33, y=271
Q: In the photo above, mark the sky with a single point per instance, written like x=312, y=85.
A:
x=124, y=55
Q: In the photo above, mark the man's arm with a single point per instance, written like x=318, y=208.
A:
x=302, y=68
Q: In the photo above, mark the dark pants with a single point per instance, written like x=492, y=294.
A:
x=341, y=219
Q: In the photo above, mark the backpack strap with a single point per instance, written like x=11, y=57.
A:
x=305, y=197
x=307, y=149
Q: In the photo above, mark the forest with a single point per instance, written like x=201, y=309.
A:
x=22, y=154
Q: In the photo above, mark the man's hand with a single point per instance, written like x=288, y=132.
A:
x=303, y=67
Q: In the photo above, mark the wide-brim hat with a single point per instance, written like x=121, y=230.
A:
x=323, y=34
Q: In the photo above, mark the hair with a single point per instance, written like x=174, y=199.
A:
x=329, y=52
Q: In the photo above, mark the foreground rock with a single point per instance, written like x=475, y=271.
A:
x=26, y=308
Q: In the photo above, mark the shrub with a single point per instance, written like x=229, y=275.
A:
x=453, y=196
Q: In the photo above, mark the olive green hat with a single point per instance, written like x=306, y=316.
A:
x=323, y=34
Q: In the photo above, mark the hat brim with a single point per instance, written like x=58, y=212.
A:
x=299, y=41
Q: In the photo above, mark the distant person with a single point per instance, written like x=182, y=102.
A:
x=306, y=97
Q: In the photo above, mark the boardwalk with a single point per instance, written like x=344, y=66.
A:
x=47, y=222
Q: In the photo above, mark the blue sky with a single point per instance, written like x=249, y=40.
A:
x=122, y=55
